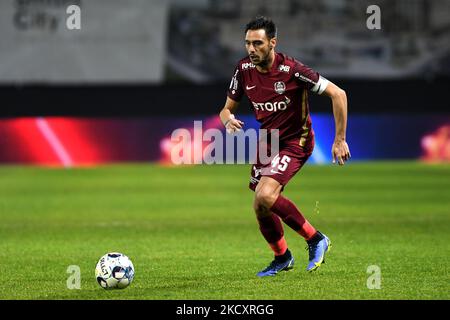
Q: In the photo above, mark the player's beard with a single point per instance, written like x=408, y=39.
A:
x=263, y=62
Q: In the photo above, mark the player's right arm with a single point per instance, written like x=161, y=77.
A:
x=234, y=96
x=227, y=116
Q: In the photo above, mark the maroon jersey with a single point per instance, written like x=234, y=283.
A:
x=280, y=96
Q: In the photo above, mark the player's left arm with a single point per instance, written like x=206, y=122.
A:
x=340, y=150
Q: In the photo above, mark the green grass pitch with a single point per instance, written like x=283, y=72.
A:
x=191, y=232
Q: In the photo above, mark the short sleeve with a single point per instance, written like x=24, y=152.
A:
x=235, y=91
x=311, y=79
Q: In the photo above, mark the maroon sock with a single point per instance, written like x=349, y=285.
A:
x=272, y=230
x=287, y=211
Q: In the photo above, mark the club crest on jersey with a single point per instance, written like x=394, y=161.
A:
x=280, y=87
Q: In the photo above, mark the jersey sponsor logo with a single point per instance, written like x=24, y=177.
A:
x=247, y=65
x=250, y=88
x=284, y=68
x=303, y=78
x=272, y=107
x=234, y=82
x=254, y=181
x=279, y=87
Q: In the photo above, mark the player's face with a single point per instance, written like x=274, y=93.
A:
x=258, y=46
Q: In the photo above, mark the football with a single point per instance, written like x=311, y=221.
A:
x=114, y=271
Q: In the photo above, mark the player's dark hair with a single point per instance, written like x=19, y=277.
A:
x=261, y=22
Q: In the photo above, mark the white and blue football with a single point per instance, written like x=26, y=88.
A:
x=114, y=271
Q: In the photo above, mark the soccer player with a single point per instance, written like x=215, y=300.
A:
x=277, y=86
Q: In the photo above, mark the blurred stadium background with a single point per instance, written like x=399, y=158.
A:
x=116, y=89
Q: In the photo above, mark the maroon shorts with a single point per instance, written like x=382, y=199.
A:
x=284, y=165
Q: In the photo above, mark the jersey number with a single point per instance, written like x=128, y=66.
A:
x=281, y=163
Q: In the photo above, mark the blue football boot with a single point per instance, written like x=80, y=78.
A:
x=317, y=248
x=284, y=263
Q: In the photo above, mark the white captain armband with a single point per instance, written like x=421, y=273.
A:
x=320, y=85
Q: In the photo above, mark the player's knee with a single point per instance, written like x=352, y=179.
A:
x=260, y=210
x=265, y=197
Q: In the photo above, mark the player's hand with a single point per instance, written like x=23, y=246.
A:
x=233, y=125
x=340, y=152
